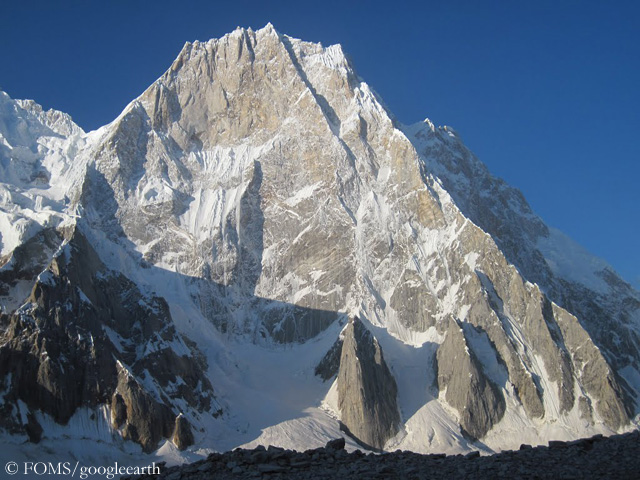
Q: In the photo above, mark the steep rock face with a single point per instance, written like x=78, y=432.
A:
x=330, y=363
x=20, y=269
x=571, y=277
x=203, y=174
x=143, y=419
x=366, y=388
x=511, y=316
x=479, y=402
x=182, y=435
x=256, y=193
x=87, y=337
x=593, y=372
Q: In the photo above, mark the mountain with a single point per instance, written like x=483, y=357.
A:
x=257, y=251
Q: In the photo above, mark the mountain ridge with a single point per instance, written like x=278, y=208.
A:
x=261, y=189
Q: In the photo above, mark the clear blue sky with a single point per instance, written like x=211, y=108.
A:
x=546, y=93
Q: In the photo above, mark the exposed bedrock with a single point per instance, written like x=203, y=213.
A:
x=479, y=402
x=87, y=337
x=366, y=388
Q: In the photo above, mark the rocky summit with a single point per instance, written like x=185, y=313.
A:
x=257, y=252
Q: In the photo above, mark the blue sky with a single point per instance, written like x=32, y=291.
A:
x=547, y=94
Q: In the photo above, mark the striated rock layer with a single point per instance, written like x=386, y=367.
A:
x=185, y=270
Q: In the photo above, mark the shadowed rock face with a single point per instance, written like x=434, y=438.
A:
x=366, y=388
x=330, y=363
x=182, y=435
x=80, y=341
x=479, y=402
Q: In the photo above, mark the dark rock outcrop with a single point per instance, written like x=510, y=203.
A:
x=25, y=263
x=366, y=388
x=87, y=337
x=479, y=402
x=330, y=363
x=182, y=435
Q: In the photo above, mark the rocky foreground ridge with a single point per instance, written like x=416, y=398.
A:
x=598, y=457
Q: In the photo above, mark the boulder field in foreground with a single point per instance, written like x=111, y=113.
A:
x=590, y=458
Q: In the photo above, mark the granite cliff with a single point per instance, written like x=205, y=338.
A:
x=257, y=250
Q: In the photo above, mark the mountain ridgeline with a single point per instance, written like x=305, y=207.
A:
x=257, y=250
